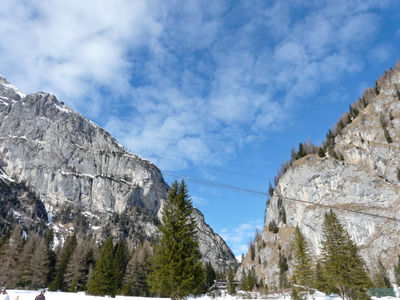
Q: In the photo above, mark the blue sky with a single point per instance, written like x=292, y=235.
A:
x=217, y=90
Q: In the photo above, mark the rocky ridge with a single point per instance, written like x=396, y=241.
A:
x=367, y=181
x=82, y=175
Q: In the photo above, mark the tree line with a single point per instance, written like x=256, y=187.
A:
x=170, y=267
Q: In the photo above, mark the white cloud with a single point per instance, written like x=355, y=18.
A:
x=239, y=237
x=190, y=81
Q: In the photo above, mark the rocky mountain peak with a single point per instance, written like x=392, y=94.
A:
x=363, y=184
x=77, y=169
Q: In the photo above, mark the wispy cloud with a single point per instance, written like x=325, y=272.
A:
x=239, y=237
x=188, y=80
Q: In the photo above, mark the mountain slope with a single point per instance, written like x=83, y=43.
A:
x=81, y=173
x=365, y=183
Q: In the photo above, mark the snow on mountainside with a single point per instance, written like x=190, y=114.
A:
x=72, y=165
x=367, y=180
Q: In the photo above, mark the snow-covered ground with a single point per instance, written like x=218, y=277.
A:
x=30, y=295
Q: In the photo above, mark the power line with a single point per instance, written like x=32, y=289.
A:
x=246, y=190
x=217, y=184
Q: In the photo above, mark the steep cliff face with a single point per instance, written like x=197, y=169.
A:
x=77, y=169
x=367, y=181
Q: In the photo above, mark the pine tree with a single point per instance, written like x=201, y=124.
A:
x=209, y=275
x=342, y=266
x=104, y=279
x=283, y=267
x=51, y=257
x=138, y=268
x=58, y=282
x=397, y=272
x=176, y=266
x=230, y=282
x=121, y=254
x=302, y=263
x=320, y=283
x=78, y=269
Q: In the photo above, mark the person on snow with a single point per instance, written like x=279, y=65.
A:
x=41, y=295
x=4, y=295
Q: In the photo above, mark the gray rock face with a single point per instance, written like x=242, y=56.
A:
x=366, y=182
x=68, y=160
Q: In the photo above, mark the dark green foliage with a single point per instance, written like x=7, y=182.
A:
x=381, y=278
x=321, y=152
x=230, y=282
x=270, y=189
x=283, y=268
x=398, y=174
x=342, y=266
x=58, y=282
x=138, y=268
x=252, y=250
x=51, y=257
x=81, y=264
x=377, y=88
x=248, y=281
x=273, y=227
x=397, y=272
x=320, y=283
x=176, y=267
x=104, y=279
x=121, y=255
x=209, y=275
x=282, y=215
x=301, y=153
x=302, y=263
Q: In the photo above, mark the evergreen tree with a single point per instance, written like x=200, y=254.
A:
x=320, y=283
x=58, y=282
x=138, y=268
x=78, y=269
x=121, y=254
x=342, y=266
x=302, y=263
x=283, y=267
x=104, y=279
x=230, y=282
x=176, y=267
x=209, y=275
x=397, y=272
x=51, y=257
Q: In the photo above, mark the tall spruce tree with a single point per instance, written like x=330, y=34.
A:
x=230, y=282
x=104, y=279
x=69, y=248
x=176, y=267
x=138, y=267
x=303, y=274
x=51, y=257
x=342, y=266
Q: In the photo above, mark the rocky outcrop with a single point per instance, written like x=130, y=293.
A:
x=366, y=183
x=79, y=171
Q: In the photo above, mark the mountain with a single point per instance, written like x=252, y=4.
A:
x=358, y=177
x=80, y=177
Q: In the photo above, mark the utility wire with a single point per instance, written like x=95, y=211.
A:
x=246, y=190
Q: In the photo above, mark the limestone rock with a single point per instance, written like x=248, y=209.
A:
x=366, y=183
x=80, y=172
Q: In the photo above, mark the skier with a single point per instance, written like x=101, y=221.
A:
x=4, y=295
x=41, y=295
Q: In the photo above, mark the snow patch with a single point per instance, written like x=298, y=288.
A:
x=9, y=86
x=4, y=177
x=63, y=109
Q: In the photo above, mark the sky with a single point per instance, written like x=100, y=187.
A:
x=212, y=91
